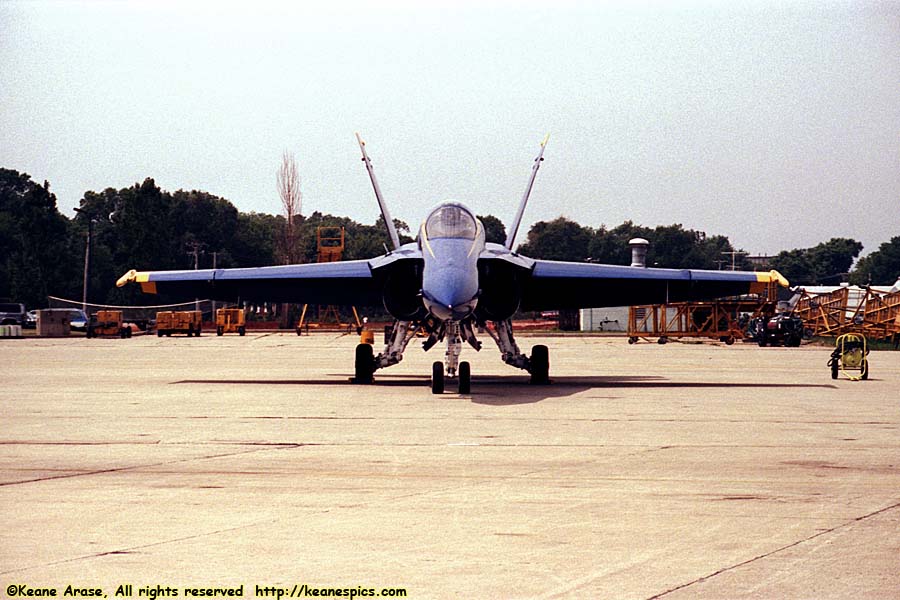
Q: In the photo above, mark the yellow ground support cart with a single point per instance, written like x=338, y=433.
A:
x=231, y=320
x=107, y=323
x=850, y=354
x=187, y=321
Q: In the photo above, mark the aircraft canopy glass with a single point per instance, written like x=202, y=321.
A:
x=451, y=221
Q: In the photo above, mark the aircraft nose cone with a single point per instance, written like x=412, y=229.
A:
x=455, y=312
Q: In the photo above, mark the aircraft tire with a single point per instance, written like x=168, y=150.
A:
x=159, y=333
x=865, y=369
x=364, y=366
x=220, y=330
x=242, y=330
x=834, y=368
x=540, y=365
x=437, y=377
x=465, y=377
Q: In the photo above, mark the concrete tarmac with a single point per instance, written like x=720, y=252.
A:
x=644, y=471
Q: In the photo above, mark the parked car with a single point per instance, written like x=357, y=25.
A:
x=12, y=313
x=78, y=321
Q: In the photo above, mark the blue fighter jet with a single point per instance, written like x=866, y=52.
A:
x=449, y=283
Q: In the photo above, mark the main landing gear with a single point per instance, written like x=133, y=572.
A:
x=366, y=363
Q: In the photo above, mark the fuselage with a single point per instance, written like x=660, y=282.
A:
x=451, y=240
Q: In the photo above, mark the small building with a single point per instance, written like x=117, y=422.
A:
x=611, y=318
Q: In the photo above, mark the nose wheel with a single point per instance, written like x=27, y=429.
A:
x=463, y=377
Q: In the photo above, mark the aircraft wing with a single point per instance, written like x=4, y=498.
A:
x=554, y=284
x=348, y=282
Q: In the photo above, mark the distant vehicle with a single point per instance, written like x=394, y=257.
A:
x=783, y=328
x=12, y=313
x=30, y=320
x=78, y=321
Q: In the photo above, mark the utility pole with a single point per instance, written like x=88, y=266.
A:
x=87, y=257
x=215, y=254
x=195, y=252
x=733, y=254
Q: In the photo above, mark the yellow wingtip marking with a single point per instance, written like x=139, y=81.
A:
x=126, y=278
x=133, y=276
x=546, y=139
x=773, y=275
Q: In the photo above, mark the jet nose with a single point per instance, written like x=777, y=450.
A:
x=456, y=312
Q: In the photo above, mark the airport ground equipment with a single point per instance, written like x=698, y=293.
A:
x=783, y=329
x=11, y=331
x=330, y=246
x=722, y=320
x=851, y=353
x=186, y=321
x=108, y=323
x=874, y=313
x=231, y=320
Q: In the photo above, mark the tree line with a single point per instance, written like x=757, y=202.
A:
x=42, y=252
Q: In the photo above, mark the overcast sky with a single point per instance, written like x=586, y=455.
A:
x=774, y=123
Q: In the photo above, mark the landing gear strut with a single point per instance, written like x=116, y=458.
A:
x=455, y=333
x=402, y=332
x=539, y=362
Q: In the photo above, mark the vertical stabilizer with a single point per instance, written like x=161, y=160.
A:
x=392, y=231
x=514, y=228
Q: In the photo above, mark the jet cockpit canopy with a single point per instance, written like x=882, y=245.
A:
x=451, y=221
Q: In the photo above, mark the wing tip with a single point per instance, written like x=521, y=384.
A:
x=127, y=278
x=773, y=276
x=133, y=276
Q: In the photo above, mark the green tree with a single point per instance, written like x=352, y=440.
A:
x=671, y=246
x=36, y=253
x=560, y=239
x=611, y=246
x=881, y=267
x=832, y=260
x=795, y=265
x=825, y=263
x=253, y=243
x=494, y=229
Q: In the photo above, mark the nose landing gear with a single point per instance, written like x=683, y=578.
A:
x=451, y=367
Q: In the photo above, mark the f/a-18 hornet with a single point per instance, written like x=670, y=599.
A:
x=449, y=283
